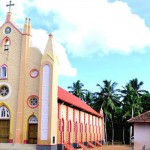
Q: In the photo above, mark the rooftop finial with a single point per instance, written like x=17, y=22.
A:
x=51, y=35
x=26, y=20
x=9, y=5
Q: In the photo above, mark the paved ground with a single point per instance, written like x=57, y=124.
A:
x=114, y=147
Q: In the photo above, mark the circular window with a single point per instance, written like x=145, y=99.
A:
x=34, y=73
x=33, y=101
x=7, y=30
x=5, y=90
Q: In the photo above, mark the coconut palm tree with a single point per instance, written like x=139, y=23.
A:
x=88, y=98
x=145, y=100
x=107, y=99
x=132, y=95
x=131, y=102
x=77, y=89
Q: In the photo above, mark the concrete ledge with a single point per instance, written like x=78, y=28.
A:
x=12, y=146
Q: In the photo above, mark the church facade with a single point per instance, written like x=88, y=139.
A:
x=33, y=109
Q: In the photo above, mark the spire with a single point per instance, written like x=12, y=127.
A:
x=49, y=45
x=29, y=26
x=25, y=31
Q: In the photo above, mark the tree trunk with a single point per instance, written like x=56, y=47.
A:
x=123, y=135
x=105, y=131
x=130, y=134
x=112, y=128
x=132, y=113
x=131, y=126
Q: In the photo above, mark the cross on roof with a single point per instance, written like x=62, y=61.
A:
x=9, y=5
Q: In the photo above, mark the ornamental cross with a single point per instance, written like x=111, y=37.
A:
x=9, y=5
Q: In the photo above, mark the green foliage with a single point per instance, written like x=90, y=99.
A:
x=77, y=89
x=118, y=105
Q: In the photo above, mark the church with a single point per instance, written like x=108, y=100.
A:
x=33, y=108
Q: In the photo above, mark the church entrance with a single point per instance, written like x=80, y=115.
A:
x=4, y=124
x=32, y=130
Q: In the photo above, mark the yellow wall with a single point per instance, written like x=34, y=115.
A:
x=12, y=59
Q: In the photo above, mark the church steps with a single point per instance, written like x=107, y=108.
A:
x=11, y=146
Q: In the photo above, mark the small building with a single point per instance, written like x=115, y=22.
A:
x=33, y=108
x=141, y=131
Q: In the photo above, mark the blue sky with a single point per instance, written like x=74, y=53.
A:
x=94, y=39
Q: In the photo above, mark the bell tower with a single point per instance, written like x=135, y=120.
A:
x=47, y=129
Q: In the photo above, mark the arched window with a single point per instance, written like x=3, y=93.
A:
x=33, y=120
x=6, y=45
x=3, y=72
x=4, y=113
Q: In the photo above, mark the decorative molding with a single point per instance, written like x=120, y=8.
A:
x=74, y=115
x=79, y=116
x=59, y=109
x=67, y=115
x=45, y=102
x=62, y=131
x=69, y=131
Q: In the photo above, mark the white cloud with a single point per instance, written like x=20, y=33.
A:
x=37, y=35
x=89, y=27
x=65, y=67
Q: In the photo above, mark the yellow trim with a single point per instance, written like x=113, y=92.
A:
x=26, y=126
x=11, y=119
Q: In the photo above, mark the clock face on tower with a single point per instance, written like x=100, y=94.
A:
x=7, y=30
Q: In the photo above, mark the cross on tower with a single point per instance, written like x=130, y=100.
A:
x=9, y=5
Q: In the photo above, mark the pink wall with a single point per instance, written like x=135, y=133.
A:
x=141, y=136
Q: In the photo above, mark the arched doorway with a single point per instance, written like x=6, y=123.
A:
x=32, y=130
x=4, y=124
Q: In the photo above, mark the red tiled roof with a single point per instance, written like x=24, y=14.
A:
x=145, y=117
x=75, y=101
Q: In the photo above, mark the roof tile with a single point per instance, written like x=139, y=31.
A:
x=145, y=117
x=75, y=101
